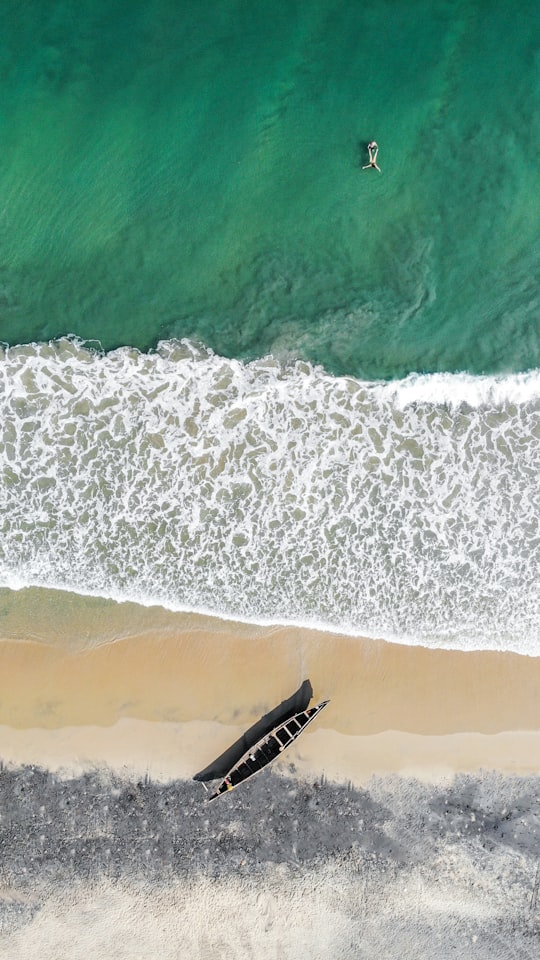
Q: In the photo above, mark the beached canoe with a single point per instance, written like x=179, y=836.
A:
x=263, y=742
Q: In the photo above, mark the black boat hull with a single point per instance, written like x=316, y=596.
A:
x=220, y=767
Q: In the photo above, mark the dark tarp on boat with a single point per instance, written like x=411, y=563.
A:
x=295, y=704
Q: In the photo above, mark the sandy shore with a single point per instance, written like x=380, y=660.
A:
x=129, y=866
x=92, y=682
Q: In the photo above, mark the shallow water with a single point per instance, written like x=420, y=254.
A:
x=172, y=171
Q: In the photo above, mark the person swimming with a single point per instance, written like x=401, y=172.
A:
x=373, y=150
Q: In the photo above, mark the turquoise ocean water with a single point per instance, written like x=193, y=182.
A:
x=311, y=392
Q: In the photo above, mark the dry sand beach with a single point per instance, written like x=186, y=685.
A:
x=409, y=814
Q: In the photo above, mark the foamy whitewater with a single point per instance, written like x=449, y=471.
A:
x=405, y=510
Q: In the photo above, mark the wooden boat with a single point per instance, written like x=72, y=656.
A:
x=263, y=742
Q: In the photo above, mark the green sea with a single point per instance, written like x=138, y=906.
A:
x=243, y=375
x=184, y=169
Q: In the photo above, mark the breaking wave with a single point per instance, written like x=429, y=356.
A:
x=276, y=493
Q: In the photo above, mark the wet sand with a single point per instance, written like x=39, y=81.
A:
x=145, y=689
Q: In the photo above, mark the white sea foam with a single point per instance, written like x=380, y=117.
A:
x=270, y=493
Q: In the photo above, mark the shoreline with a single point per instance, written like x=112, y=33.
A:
x=166, y=753
x=150, y=611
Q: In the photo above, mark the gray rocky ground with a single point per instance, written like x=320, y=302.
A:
x=102, y=867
